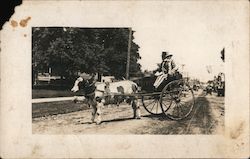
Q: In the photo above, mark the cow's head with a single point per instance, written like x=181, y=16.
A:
x=84, y=78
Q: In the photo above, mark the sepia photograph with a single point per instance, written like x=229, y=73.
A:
x=97, y=81
x=125, y=79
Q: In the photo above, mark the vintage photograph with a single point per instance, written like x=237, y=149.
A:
x=100, y=81
x=125, y=79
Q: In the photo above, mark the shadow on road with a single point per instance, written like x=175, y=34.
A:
x=118, y=119
x=156, y=117
x=200, y=121
x=151, y=116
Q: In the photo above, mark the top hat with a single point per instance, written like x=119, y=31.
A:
x=166, y=54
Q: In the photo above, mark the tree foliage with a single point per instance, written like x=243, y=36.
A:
x=91, y=50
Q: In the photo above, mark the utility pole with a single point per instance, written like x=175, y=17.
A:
x=182, y=69
x=128, y=56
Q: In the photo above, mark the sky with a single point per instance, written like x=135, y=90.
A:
x=194, y=35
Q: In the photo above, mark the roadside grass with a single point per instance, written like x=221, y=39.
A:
x=54, y=108
x=45, y=93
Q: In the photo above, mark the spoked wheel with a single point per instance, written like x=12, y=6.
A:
x=152, y=104
x=177, y=100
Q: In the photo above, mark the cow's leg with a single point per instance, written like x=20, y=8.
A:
x=75, y=100
x=99, y=112
x=118, y=101
x=138, y=111
x=136, y=108
x=94, y=109
x=93, y=103
x=109, y=101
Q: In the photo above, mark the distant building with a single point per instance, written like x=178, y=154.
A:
x=46, y=77
x=107, y=79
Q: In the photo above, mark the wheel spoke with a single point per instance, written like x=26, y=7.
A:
x=152, y=107
x=149, y=103
x=173, y=105
x=176, y=110
x=157, y=108
x=167, y=106
x=180, y=109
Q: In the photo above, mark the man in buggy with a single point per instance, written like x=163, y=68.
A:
x=167, y=72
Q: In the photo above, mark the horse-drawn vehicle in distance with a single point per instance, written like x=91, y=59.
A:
x=220, y=84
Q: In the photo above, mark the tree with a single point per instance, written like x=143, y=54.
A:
x=115, y=46
x=91, y=50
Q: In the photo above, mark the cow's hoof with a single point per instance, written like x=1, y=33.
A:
x=137, y=117
x=98, y=122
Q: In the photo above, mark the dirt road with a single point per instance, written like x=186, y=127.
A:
x=206, y=118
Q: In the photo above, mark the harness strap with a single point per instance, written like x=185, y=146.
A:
x=90, y=94
x=100, y=90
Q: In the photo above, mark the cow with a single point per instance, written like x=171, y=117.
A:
x=117, y=92
x=95, y=94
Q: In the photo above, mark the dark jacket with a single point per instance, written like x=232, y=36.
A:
x=166, y=67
